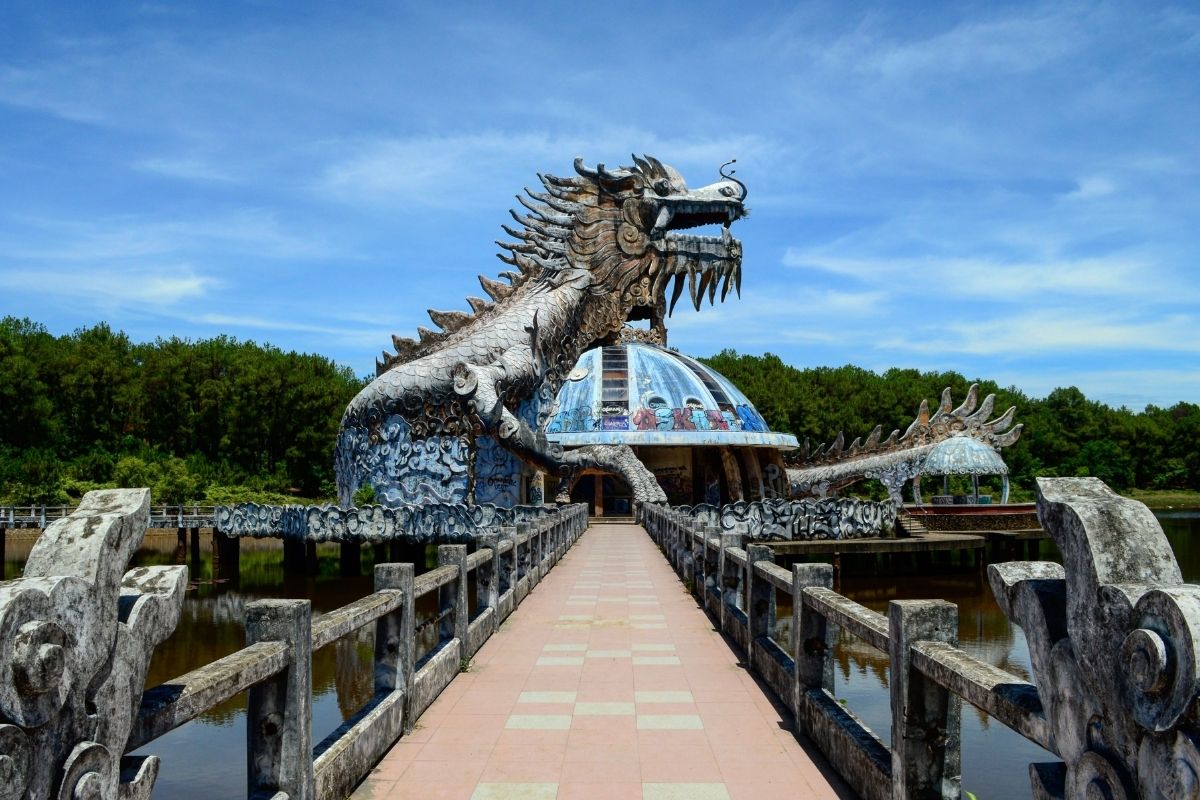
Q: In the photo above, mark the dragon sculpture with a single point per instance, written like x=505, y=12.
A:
x=595, y=250
x=900, y=457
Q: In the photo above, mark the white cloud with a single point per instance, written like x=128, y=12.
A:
x=110, y=288
x=189, y=169
x=1062, y=330
x=1092, y=187
x=442, y=171
x=252, y=231
x=1117, y=276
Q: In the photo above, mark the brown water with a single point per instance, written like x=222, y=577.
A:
x=206, y=758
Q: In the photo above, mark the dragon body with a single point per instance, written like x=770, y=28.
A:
x=592, y=252
x=900, y=457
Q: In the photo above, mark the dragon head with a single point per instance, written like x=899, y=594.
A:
x=618, y=231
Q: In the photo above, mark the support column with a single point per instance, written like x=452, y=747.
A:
x=350, y=559
x=733, y=477
x=598, y=495
x=227, y=555
x=293, y=555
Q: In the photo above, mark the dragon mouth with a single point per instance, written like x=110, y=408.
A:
x=705, y=261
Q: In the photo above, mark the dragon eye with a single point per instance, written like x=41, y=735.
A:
x=662, y=187
x=727, y=191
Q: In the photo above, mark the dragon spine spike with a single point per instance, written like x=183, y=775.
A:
x=426, y=336
x=450, y=321
x=1002, y=422
x=855, y=446
x=985, y=411
x=1005, y=439
x=478, y=305
x=968, y=404
x=838, y=444
x=873, y=439
x=495, y=289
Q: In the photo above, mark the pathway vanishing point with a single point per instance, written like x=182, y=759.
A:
x=608, y=682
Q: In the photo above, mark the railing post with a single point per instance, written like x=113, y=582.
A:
x=487, y=574
x=279, y=709
x=760, y=597
x=731, y=575
x=696, y=555
x=454, y=595
x=522, y=551
x=813, y=638
x=508, y=562
x=926, y=755
x=395, y=642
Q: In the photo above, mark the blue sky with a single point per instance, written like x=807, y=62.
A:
x=1007, y=190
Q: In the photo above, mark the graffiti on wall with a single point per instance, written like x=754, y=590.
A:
x=835, y=518
x=443, y=523
x=659, y=418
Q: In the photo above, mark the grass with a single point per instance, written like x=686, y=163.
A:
x=1165, y=498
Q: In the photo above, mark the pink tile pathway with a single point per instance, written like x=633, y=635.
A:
x=608, y=682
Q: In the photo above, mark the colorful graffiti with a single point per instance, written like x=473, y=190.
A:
x=660, y=418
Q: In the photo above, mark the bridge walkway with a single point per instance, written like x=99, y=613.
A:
x=608, y=682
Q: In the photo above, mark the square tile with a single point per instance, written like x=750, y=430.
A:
x=655, y=648
x=515, y=791
x=668, y=722
x=663, y=697
x=559, y=661
x=548, y=697
x=655, y=661
x=608, y=654
x=684, y=791
x=604, y=709
x=564, y=648
x=539, y=722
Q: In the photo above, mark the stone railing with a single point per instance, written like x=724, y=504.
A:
x=1114, y=640
x=799, y=520
x=40, y=517
x=77, y=633
x=442, y=523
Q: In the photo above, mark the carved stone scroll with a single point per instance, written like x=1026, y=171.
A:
x=76, y=636
x=1114, y=639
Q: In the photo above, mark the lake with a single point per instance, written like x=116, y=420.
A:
x=206, y=758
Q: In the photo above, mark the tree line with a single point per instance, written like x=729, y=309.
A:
x=211, y=420
x=1065, y=434
x=220, y=420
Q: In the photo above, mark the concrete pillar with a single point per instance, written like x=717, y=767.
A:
x=599, y=495
x=279, y=709
x=227, y=555
x=812, y=637
x=350, y=559
x=733, y=477
x=453, y=596
x=926, y=751
x=395, y=642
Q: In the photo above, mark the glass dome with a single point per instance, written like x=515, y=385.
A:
x=643, y=394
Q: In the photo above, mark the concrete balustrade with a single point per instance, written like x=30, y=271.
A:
x=41, y=742
x=1112, y=636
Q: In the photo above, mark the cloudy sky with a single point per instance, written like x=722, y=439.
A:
x=1011, y=191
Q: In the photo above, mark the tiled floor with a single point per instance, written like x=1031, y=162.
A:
x=608, y=682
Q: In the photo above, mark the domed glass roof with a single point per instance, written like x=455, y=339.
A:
x=643, y=394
